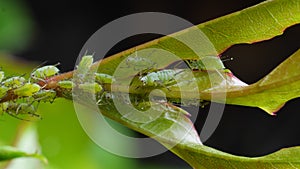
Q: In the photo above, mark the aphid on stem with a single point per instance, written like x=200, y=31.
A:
x=90, y=87
x=161, y=78
x=44, y=72
x=85, y=64
x=102, y=78
x=207, y=63
x=140, y=63
x=14, y=82
x=3, y=91
x=27, y=90
x=65, y=84
x=20, y=110
x=45, y=95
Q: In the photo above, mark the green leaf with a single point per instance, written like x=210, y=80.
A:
x=257, y=23
x=175, y=131
x=203, y=157
x=274, y=90
x=9, y=153
x=164, y=121
x=26, y=146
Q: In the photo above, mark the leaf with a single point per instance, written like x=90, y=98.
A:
x=203, y=157
x=175, y=131
x=26, y=146
x=257, y=23
x=274, y=90
x=9, y=153
x=163, y=121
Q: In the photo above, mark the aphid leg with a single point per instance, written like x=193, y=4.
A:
x=101, y=99
x=160, y=83
x=11, y=114
x=38, y=79
x=18, y=109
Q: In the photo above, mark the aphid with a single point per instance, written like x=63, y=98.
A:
x=143, y=105
x=140, y=63
x=105, y=98
x=14, y=82
x=66, y=84
x=90, y=87
x=102, y=78
x=206, y=63
x=27, y=89
x=44, y=72
x=3, y=91
x=160, y=78
x=85, y=64
x=1, y=76
x=3, y=107
x=45, y=95
x=20, y=110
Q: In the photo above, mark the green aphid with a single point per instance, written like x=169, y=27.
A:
x=102, y=78
x=65, y=84
x=143, y=105
x=1, y=76
x=139, y=63
x=160, y=78
x=27, y=89
x=14, y=82
x=22, y=111
x=3, y=107
x=207, y=63
x=24, y=108
x=85, y=64
x=3, y=91
x=90, y=87
x=44, y=72
x=45, y=95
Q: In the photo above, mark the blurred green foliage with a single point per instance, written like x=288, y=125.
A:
x=16, y=26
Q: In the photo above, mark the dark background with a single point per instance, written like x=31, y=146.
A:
x=63, y=27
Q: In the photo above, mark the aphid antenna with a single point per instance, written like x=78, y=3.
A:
x=86, y=53
x=40, y=65
x=56, y=64
x=18, y=108
x=226, y=58
x=135, y=52
x=181, y=70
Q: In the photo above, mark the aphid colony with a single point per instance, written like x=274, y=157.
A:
x=27, y=94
